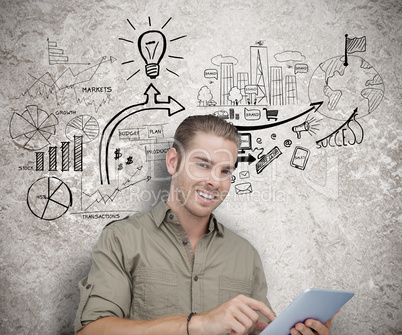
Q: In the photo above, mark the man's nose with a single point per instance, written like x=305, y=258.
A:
x=212, y=179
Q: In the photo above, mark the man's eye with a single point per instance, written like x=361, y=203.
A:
x=228, y=172
x=203, y=165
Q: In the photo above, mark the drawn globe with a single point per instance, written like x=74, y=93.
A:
x=345, y=88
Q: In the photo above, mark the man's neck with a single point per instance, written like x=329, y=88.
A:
x=195, y=227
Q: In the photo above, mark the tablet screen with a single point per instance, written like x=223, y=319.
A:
x=312, y=303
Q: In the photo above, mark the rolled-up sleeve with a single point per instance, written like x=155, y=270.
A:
x=259, y=291
x=106, y=291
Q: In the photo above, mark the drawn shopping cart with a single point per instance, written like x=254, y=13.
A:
x=271, y=114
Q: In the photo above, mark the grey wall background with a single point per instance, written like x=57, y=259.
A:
x=334, y=224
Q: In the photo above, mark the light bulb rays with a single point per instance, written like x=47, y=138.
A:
x=152, y=45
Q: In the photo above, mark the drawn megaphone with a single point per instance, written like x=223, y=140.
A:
x=305, y=126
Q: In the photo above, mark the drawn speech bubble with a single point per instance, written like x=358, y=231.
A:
x=211, y=73
x=251, y=89
x=252, y=114
x=301, y=68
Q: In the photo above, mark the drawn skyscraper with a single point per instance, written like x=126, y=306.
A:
x=290, y=90
x=242, y=82
x=227, y=82
x=276, y=85
x=258, y=71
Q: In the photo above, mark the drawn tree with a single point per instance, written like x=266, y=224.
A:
x=204, y=95
x=235, y=95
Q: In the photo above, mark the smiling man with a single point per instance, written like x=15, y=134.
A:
x=201, y=177
x=176, y=269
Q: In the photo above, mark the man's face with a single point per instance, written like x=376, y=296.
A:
x=203, y=179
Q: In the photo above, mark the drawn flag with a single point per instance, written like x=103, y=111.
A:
x=357, y=44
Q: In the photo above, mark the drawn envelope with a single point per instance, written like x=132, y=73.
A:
x=243, y=188
x=244, y=174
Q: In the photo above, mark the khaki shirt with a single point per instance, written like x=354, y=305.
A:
x=144, y=268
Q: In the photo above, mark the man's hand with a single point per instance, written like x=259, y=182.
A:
x=312, y=327
x=237, y=316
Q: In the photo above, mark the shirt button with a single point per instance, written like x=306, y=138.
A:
x=88, y=286
x=196, y=278
x=171, y=216
x=185, y=242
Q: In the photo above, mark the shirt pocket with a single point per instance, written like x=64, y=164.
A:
x=155, y=294
x=230, y=288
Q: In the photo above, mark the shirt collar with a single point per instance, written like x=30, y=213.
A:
x=162, y=212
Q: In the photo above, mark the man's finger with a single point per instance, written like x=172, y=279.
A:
x=258, y=306
x=261, y=325
x=318, y=326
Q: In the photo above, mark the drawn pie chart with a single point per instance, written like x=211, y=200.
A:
x=49, y=198
x=83, y=125
x=33, y=127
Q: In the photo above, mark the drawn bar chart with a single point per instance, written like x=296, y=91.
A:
x=56, y=55
x=65, y=156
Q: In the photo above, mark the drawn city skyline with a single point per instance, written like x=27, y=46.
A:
x=264, y=84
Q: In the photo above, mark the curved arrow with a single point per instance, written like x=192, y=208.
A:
x=315, y=106
x=151, y=103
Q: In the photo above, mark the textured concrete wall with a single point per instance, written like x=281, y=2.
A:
x=327, y=215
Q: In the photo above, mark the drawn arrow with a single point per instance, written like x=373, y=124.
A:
x=250, y=158
x=175, y=106
x=343, y=125
x=314, y=107
x=151, y=103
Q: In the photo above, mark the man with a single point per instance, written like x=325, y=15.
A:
x=176, y=269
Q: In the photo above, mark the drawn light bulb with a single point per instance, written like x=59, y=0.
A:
x=152, y=47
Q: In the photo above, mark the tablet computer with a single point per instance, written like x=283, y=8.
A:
x=312, y=303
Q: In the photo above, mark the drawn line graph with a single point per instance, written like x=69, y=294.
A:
x=100, y=197
x=48, y=85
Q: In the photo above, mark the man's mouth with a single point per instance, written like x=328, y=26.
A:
x=206, y=195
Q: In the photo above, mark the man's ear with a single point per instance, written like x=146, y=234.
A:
x=172, y=161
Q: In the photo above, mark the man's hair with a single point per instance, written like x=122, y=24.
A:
x=208, y=124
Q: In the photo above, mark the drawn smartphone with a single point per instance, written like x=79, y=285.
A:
x=313, y=303
x=300, y=157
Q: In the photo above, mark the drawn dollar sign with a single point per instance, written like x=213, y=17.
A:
x=117, y=154
x=130, y=160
